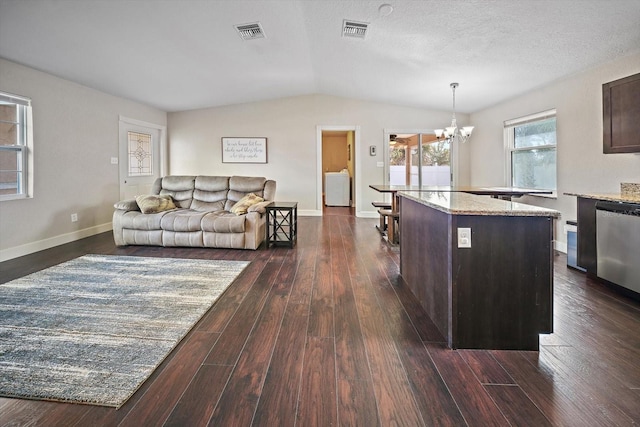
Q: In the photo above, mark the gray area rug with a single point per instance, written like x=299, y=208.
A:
x=93, y=329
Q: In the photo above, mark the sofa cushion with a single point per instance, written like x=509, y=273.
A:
x=241, y=206
x=182, y=220
x=223, y=222
x=240, y=186
x=136, y=220
x=127, y=205
x=210, y=193
x=150, y=204
x=180, y=188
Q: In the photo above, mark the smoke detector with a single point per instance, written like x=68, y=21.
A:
x=250, y=31
x=354, y=29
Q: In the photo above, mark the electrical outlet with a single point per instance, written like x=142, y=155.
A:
x=74, y=217
x=464, y=237
x=114, y=160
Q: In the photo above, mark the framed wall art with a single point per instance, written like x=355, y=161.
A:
x=244, y=150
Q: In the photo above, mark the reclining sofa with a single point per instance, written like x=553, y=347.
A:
x=198, y=211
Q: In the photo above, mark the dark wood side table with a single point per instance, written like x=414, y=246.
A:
x=282, y=224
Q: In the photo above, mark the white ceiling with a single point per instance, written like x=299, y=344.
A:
x=185, y=54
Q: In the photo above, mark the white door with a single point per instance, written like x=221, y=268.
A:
x=140, y=158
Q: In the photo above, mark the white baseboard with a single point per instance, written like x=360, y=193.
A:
x=367, y=214
x=309, y=212
x=29, y=248
x=359, y=214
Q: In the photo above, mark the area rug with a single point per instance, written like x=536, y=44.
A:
x=93, y=329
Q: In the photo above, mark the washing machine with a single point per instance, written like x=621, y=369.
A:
x=336, y=188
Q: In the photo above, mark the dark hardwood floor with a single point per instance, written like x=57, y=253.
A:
x=327, y=334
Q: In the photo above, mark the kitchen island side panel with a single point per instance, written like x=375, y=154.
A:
x=425, y=261
x=503, y=284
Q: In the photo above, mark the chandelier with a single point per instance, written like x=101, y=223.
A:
x=453, y=133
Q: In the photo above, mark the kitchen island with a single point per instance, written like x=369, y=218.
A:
x=495, y=294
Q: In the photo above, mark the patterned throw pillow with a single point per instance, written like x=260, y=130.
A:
x=154, y=204
x=241, y=206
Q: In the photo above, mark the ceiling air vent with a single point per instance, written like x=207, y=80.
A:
x=354, y=29
x=250, y=31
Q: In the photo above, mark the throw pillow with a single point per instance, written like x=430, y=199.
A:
x=154, y=204
x=241, y=206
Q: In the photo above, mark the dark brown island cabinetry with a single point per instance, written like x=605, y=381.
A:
x=496, y=294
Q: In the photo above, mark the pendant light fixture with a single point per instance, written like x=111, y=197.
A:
x=453, y=133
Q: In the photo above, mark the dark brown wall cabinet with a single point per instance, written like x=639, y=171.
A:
x=621, y=115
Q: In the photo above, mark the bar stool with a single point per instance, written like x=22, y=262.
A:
x=382, y=228
x=390, y=215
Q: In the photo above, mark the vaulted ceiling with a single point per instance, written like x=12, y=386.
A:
x=186, y=54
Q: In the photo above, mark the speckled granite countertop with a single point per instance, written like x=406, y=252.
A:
x=612, y=197
x=470, y=204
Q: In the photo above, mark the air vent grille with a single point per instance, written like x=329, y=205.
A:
x=250, y=31
x=354, y=29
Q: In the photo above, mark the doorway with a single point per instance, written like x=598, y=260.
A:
x=142, y=156
x=418, y=158
x=337, y=148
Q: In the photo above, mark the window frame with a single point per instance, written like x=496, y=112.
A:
x=509, y=144
x=23, y=146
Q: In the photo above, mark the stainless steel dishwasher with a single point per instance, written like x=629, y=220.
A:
x=618, y=243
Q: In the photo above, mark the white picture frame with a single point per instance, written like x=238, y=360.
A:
x=244, y=150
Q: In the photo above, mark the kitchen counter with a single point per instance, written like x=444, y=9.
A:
x=588, y=256
x=471, y=204
x=612, y=197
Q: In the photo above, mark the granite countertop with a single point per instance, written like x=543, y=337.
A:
x=612, y=197
x=470, y=204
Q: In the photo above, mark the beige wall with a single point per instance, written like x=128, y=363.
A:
x=582, y=167
x=290, y=126
x=75, y=137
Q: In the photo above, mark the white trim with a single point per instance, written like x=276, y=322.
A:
x=535, y=117
x=15, y=99
x=368, y=214
x=358, y=162
x=32, y=247
x=309, y=212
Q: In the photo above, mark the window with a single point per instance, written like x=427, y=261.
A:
x=15, y=146
x=531, y=151
x=419, y=159
x=140, y=154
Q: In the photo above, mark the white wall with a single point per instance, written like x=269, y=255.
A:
x=75, y=136
x=582, y=167
x=290, y=126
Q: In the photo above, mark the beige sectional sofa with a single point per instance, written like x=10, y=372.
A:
x=198, y=212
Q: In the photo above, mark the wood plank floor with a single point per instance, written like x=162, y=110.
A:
x=327, y=334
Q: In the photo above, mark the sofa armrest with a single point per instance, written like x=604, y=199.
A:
x=127, y=205
x=259, y=207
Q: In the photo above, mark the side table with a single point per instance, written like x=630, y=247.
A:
x=282, y=223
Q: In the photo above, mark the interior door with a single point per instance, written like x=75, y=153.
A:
x=139, y=158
